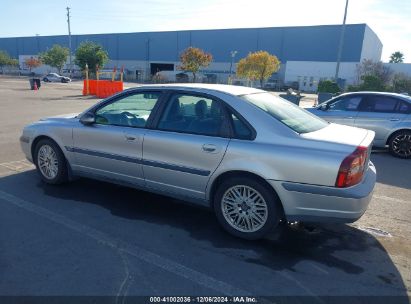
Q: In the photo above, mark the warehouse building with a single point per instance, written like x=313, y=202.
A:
x=307, y=53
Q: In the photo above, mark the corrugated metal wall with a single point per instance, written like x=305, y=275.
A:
x=311, y=43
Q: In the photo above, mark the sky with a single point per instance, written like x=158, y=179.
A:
x=388, y=19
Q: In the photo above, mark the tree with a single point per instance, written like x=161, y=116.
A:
x=55, y=57
x=369, y=83
x=6, y=60
x=369, y=67
x=92, y=54
x=328, y=86
x=32, y=62
x=401, y=83
x=192, y=59
x=258, y=66
x=397, y=57
x=372, y=83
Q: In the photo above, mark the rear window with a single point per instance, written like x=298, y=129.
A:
x=289, y=114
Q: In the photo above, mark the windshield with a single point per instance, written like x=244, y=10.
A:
x=289, y=114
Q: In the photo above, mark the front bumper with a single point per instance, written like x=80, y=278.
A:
x=25, y=144
x=310, y=203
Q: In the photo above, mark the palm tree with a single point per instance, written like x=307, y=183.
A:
x=397, y=57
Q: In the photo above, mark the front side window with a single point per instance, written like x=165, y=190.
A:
x=193, y=114
x=289, y=114
x=129, y=111
x=348, y=103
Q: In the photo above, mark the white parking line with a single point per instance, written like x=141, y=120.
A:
x=140, y=253
x=18, y=165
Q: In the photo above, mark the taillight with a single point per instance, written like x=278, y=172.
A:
x=352, y=168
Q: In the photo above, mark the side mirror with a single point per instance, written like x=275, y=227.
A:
x=324, y=107
x=88, y=119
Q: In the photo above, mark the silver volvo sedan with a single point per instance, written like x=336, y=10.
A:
x=254, y=158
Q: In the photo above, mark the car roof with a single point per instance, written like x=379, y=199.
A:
x=204, y=87
x=378, y=93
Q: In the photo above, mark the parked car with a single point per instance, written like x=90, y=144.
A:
x=254, y=158
x=54, y=77
x=387, y=114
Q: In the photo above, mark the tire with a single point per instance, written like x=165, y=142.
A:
x=400, y=144
x=46, y=80
x=45, y=152
x=248, y=227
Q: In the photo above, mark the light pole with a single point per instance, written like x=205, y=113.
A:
x=233, y=53
x=148, y=71
x=69, y=34
x=340, y=46
x=38, y=44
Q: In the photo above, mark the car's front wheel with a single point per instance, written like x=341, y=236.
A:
x=50, y=162
x=400, y=144
x=246, y=208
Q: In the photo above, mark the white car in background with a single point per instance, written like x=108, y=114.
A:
x=54, y=77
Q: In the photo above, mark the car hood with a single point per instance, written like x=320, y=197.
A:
x=60, y=117
x=341, y=134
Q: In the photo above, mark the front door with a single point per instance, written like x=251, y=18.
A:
x=342, y=110
x=112, y=147
x=187, y=146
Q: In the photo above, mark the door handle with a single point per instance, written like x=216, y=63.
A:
x=130, y=137
x=349, y=117
x=209, y=148
x=394, y=119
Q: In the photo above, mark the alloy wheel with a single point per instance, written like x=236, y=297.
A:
x=244, y=208
x=47, y=162
x=401, y=145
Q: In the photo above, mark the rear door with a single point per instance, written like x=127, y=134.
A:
x=378, y=113
x=342, y=110
x=187, y=145
x=112, y=147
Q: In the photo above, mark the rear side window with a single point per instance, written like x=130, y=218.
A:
x=404, y=108
x=193, y=114
x=289, y=114
x=241, y=130
x=380, y=104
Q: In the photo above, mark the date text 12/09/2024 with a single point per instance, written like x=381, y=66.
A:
x=203, y=299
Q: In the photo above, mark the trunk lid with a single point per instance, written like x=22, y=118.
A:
x=345, y=135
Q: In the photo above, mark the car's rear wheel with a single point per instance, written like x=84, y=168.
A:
x=246, y=208
x=400, y=144
x=50, y=162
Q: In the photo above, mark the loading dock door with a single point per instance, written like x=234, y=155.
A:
x=157, y=67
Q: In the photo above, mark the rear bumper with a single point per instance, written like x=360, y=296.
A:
x=310, y=203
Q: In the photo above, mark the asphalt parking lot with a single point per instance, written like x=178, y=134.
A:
x=93, y=238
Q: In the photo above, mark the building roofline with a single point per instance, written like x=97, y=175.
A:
x=199, y=30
